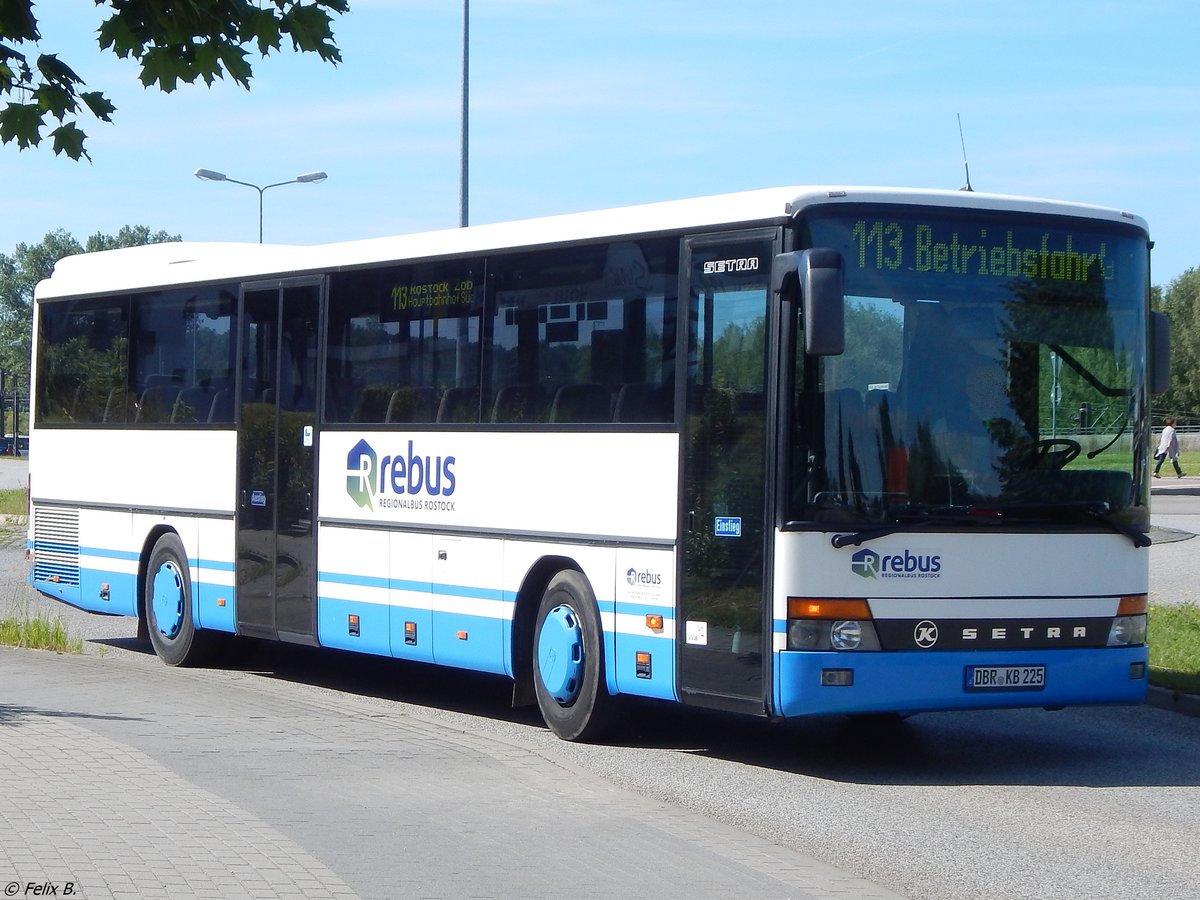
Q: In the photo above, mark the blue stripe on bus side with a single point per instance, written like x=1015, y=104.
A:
x=107, y=553
x=122, y=586
x=399, y=584
x=452, y=639
x=480, y=643
x=209, y=610
x=661, y=683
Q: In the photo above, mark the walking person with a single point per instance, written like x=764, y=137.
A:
x=1168, y=447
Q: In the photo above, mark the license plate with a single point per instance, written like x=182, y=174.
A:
x=1005, y=678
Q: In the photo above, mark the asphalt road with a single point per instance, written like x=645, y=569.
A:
x=1082, y=803
x=14, y=472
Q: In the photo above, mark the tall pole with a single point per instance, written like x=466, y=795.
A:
x=261, y=191
x=466, y=65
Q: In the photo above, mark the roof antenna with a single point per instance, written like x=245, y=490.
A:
x=967, y=186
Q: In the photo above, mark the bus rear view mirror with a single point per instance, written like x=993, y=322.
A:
x=1160, y=353
x=817, y=274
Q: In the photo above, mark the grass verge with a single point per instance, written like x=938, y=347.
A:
x=37, y=632
x=13, y=502
x=1174, y=638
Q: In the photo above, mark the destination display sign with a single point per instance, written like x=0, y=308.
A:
x=428, y=296
x=993, y=252
x=919, y=250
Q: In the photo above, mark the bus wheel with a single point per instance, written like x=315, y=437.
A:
x=168, y=603
x=568, y=660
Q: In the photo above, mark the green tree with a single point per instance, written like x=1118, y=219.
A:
x=171, y=41
x=29, y=264
x=1181, y=302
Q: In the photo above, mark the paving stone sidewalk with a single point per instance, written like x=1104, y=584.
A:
x=134, y=780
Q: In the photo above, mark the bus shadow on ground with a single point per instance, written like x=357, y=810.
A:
x=1085, y=747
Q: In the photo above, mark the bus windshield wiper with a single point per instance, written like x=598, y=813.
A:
x=1098, y=512
x=907, y=517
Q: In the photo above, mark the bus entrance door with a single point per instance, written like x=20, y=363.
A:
x=726, y=432
x=277, y=385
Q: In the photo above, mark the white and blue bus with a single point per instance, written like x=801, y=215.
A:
x=787, y=452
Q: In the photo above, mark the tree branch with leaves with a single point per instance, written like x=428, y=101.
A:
x=172, y=41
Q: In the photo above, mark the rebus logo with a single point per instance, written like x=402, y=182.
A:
x=905, y=564
x=361, y=465
x=371, y=478
x=634, y=577
x=865, y=563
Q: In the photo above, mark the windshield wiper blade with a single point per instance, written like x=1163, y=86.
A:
x=901, y=519
x=1098, y=512
x=861, y=537
x=1139, y=538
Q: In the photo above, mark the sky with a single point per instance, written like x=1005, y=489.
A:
x=579, y=105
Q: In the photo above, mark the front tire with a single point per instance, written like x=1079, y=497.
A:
x=568, y=660
x=167, y=600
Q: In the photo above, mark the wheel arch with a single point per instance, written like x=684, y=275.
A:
x=529, y=596
x=152, y=538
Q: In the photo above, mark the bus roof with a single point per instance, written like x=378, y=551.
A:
x=178, y=263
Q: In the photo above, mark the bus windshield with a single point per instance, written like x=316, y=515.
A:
x=992, y=372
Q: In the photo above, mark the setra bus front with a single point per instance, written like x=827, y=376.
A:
x=965, y=505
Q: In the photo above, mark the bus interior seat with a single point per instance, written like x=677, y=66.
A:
x=459, y=404
x=518, y=403
x=157, y=403
x=222, y=406
x=641, y=401
x=194, y=404
x=411, y=404
x=372, y=404
x=585, y=402
x=117, y=406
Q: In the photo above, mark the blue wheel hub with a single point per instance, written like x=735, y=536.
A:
x=168, y=599
x=560, y=654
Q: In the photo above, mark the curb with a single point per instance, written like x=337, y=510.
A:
x=1173, y=701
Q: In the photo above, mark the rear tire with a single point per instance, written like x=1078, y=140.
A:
x=167, y=600
x=568, y=660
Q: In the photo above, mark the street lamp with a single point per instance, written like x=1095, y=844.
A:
x=307, y=178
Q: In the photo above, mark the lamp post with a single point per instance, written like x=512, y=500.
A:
x=466, y=65
x=307, y=178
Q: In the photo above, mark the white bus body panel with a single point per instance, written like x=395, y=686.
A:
x=117, y=487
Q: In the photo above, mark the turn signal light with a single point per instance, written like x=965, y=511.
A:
x=827, y=608
x=1132, y=605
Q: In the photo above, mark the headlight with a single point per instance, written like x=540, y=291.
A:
x=808, y=634
x=846, y=635
x=1127, y=631
x=825, y=634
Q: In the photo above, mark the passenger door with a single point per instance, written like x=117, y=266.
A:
x=723, y=621
x=277, y=404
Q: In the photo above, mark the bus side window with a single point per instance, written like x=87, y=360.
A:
x=397, y=336
x=574, y=328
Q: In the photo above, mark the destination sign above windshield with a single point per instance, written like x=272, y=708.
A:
x=985, y=251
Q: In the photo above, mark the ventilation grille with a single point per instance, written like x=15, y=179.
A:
x=56, y=545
